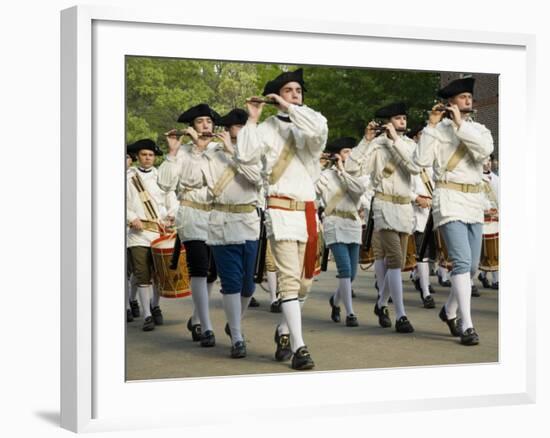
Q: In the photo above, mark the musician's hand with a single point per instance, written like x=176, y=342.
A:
x=200, y=142
x=136, y=224
x=457, y=117
x=339, y=162
x=227, y=144
x=435, y=115
x=370, y=132
x=254, y=109
x=391, y=132
x=173, y=141
x=423, y=202
x=192, y=133
x=281, y=103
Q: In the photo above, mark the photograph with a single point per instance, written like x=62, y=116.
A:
x=287, y=218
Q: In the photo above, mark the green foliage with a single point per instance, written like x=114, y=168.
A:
x=158, y=90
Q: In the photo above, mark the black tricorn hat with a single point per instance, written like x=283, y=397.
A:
x=236, y=116
x=139, y=145
x=464, y=85
x=412, y=133
x=200, y=110
x=391, y=110
x=276, y=84
x=338, y=144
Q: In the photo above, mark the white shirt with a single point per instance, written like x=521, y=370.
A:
x=136, y=210
x=174, y=174
x=264, y=143
x=435, y=148
x=232, y=228
x=338, y=229
x=371, y=158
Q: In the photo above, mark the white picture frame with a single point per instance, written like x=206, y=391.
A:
x=93, y=39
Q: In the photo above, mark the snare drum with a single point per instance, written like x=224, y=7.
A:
x=171, y=283
x=489, y=247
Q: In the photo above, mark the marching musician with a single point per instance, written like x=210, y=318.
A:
x=193, y=212
x=290, y=144
x=341, y=194
x=387, y=158
x=421, y=205
x=234, y=224
x=456, y=147
x=132, y=305
x=147, y=216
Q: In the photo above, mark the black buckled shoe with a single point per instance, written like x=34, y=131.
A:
x=283, y=352
x=148, y=324
x=157, y=315
x=475, y=291
x=208, y=339
x=195, y=330
x=428, y=302
x=301, y=360
x=469, y=337
x=484, y=282
x=351, y=321
x=452, y=323
x=275, y=307
x=129, y=316
x=238, y=350
x=494, y=285
x=227, y=330
x=446, y=283
x=383, y=316
x=134, y=306
x=253, y=303
x=403, y=325
x=335, y=310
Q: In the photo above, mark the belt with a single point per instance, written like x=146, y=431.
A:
x=344, y=214
x=286, y=203
x=196, y=205
x=234, y=208
x=282, y=203
x=464, y=188
x=395, y=199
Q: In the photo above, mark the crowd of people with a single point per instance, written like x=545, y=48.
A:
x=268, y=199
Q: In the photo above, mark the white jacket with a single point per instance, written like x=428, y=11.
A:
x=435, y=148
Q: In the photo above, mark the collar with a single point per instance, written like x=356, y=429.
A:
x=141, y=169
x=284, y=117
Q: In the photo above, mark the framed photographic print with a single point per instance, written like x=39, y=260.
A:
x=120, y=83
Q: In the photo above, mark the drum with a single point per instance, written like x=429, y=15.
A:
x=171, y=283
x=410, y=258
x=489, y=247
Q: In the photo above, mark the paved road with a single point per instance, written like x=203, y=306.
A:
x=168, y=351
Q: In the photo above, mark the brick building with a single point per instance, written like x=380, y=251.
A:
x=485, y=99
